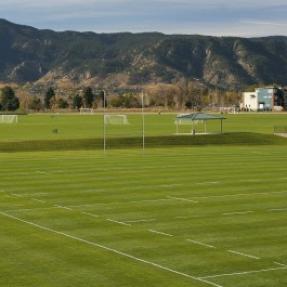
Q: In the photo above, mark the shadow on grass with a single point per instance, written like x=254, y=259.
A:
x=151, y=142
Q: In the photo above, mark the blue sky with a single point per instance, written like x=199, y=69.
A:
x=209, y=17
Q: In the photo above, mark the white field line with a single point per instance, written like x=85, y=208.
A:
x=119, y=202
x=15, y=195
x=201, y=243
x=161, y=233
x=277, y=209
x=89, y=214
x=140, y=220
x=149, y=200
x=41, y=172
x=34, y=194
x=182, y=199
x=203, y=280
x=280, y=264
x=118, y=222
x=38, y=200
x=240, y=194
x=31, y=209
x=243, y=254
x=10, y=196
x=22, y=196
x=244, y=273
x=238, y=213
x=64, y=207
x=153, y=231
x=81, y=205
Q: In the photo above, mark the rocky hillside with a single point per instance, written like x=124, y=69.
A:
x=31, y=55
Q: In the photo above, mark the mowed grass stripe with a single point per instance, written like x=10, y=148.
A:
x=156, y=265
x=68, y=262
x=261, y=233
x=151, y=251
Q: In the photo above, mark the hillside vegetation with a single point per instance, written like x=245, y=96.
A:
x=31, y=55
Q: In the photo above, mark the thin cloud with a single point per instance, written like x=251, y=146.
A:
x=264, y=23
x=214, y=17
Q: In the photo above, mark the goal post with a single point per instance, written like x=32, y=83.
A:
x=116, y=120
x=8, y=119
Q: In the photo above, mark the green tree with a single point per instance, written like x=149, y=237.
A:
x=88, y=97
x=62, y=103
x=50, y=94
x=8, y=100
x=127, y=100
x=77, y=102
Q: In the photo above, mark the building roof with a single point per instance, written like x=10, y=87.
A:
x=200, y=117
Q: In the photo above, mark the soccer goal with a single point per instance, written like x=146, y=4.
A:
x=86, y=111
x=116, y=120
x=228, y=110
x=8, y=119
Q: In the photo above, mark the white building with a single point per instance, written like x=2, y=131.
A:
x=264, y=99
x=250, y=101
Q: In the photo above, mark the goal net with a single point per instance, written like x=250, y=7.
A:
x=86, y=111
x=8, y=119
x=116, y=120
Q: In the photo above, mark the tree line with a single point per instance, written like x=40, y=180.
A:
x=86, y=99
x=183, y=95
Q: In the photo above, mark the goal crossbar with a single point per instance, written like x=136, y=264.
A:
x=116, y=120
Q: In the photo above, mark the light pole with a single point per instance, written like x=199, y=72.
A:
x=143, y=122
x=104, y=119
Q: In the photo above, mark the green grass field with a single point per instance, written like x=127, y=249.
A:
x=197, y=216
x=41, y=127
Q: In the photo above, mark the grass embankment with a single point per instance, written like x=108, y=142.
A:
x=156, y=141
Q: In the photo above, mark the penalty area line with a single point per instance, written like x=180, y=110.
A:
x=277, y=209
x=38, y=200
x=238, y=213
x=140, y=220
x=32, y=209
x=244, y=273
x=244, y=254
x=280, y=264
x=90, y=214
x=91, y=243
x=159, y=232
x=182, y=199
x=64, y=207
x=118, y=222
x=200, y=243
x=239, y=195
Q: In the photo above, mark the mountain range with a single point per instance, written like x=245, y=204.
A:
x=31, y=55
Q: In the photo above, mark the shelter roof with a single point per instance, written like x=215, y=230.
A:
x=200, y=117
